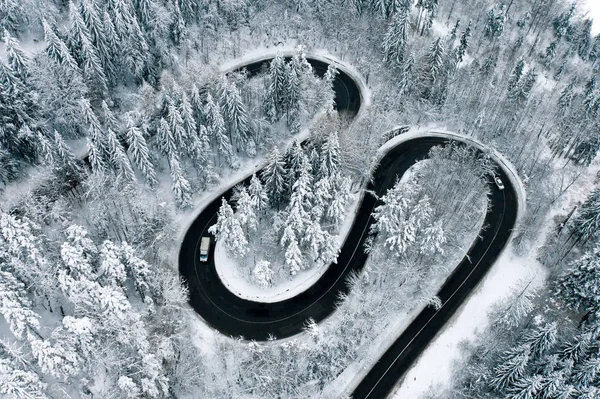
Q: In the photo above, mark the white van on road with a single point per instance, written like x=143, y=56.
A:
x=204, y=247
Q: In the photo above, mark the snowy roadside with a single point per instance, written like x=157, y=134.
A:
x=470, y=320
x=473, y=317
x=228, y=270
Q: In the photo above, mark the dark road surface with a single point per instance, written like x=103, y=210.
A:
x=234, y=316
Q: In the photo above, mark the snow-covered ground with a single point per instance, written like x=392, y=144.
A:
x=470, y=320
x=229, y=271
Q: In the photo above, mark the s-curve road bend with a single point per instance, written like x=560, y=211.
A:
x=234, y=316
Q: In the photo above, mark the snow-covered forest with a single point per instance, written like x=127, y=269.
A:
x=122, y=118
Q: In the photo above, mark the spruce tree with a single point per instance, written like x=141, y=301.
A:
x=258, y=195
x=394, y=41
x=15, y=306
x=580, y=287
x=550, y=53
x=166, y=141
x=464, y=43
x=273, y=176
x=330, y=155
x=17, y=60
x=215, y=126
x=566, y=97
x=65, y=154
x=229, y=229
x=176, y=125
x=56, y=49
x=236, y=115
x=119, y=158
x=181, y=187
x=138, y=149
x=276, y=98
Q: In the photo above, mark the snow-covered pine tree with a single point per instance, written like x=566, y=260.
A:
x=95, y=156
x=550, y=53
x=323, y=193
x=526, y=388
x=15, y=306
x=464, y=43
x=138, y=270
x=176, y=126
x=293, y=256
x=86, y=53
x=263, y=274
x=196, y=103
x=276, y=98
x=17, y=379
x=273, y=176
x=301, y=199
x=586, y=224
x=17, y=60
x=327, y=92
x=236, y=115
x=45, y=150
x=394, y=41
x=53, y=359
x=258, y=195
x=401, y=217
x=181, y=187
x=432, y=69
x=112, y=270
x=540, y=339
x=566, y=97
x=65, y=154
x=187, y=115
x=165, y=139
x=330, y=156
x=178, y=29
x=579, y=287
x=119, y=159
x=56, y=49
x=229, y=229
x=98, y=34
x=97, y=146
x=293, y=158
x=494, y=26
x=313, y=239
x=215, y=126
x=512, y=367
x=245, y=210
x=113, y=49
x=132, y=43
x=139, y=151
x=516, y=75
x=341, y=195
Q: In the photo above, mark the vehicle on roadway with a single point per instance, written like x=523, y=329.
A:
x=499, y=183
x=204, y=247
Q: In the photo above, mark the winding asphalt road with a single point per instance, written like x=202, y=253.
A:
x=234, y=316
